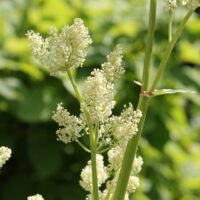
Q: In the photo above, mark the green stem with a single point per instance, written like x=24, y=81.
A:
x=170, y=31
x=143, y=105
x=169, y=49
x=95, y=193
x=130, y=153
x=96, y=133
x=83, y=146
x=76, y=90
x=149, y=45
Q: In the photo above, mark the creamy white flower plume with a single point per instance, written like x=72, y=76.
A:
x=35, y=197
x=70, y=126
x=61, y=51
x=98, y=96
x=86, y=174
x=5, y=154
x=112, y=69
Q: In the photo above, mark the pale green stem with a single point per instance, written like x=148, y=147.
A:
x=169, y=49
x=96, y=133
x=76, y=90
x=149, y=44
x=95, y=193
x=83, y=146
x=170, y=25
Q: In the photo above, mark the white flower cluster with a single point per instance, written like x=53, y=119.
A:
x=119, y=129
x=67, y=50
x=98, y=96
x=115, y=156
x=35, y=197
x=172, y=4
x=5, y=154
x=126, y=125
x=110, y=173
x=71, y=126
x=61, y=51
x=86, y=174
x=112, y=69
x=99, y=92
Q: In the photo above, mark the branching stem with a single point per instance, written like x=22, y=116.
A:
x=143, y=105
x=169, y=49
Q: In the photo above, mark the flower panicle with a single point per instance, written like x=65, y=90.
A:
x=70, y=126
x=98, y=96
x=67, y=50
x=61, y=51
x=113, y=69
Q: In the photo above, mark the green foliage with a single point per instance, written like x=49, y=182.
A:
x=171, y=140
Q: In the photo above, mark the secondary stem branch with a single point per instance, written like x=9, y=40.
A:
x=169, y=49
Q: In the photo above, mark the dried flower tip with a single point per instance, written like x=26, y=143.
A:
x=5, y=154
x=70, y=126
x=61, y=51
x=35, y=197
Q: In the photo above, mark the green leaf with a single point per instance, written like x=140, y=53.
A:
x=170, y=91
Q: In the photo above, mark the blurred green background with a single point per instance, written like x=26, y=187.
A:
x=171, y=139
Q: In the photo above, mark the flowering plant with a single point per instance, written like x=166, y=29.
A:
x=113, y=137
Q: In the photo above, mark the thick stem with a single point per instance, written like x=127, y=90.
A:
x=149, y=44
x=130, y=153
x=143, y=105
x=95, y=193
x=169, y=49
